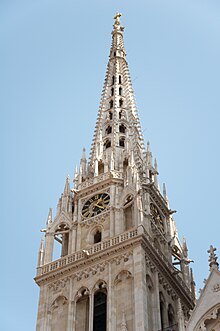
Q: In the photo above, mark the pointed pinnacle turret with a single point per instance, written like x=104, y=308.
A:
x=156, y=183
x=66, y=191
x=184, y=247
x=49, y=218
x=41, y=253
x=193, y=284
x=83, y=165
x=213, y=258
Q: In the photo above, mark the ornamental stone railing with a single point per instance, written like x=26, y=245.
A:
x=107, y=175
x=80, y=255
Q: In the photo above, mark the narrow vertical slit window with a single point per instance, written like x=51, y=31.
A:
x=119, y=79
x=120, y=90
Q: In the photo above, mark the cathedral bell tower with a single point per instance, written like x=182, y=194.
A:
x=121, y=266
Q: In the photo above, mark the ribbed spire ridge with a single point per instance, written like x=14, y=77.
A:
x=117, y=119
x=213, y=258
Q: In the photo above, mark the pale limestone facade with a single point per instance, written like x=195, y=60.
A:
x=122, y=265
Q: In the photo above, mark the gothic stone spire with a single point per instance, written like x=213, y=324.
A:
x=117, y=130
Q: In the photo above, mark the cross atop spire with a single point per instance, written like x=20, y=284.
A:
x=213, y=258
x=117, y=24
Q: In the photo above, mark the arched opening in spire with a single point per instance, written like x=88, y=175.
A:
x=111, y=103
x=120, y=103
x=119, y=79
x=112, y=91
x=108, y=130
x=122, y=128
x=120, y=90
x=110, y=115
x=113, y=80
x=122, y=141
x=107, y=143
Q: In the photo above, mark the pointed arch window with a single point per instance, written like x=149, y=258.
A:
x=107, y=143
x=119, y=79
x=110, y=115
x=108, y=130
x=97, y=237
x=111, y=103
x=113, y=80
x=82, y=311
x=120, y=103
x=120, y=90
x=112, y=91
x=122, y=142
x=122, y=128
x=100, y=311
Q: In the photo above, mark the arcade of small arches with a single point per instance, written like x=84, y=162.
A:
x=89, y=307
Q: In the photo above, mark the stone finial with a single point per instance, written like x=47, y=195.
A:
x=84, y=154
x=213, y=258
x=185, y=248
x=49, y=218
x=67, y=186
x=123, y=323
x=117, y=24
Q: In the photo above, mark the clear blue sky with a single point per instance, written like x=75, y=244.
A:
x=53, y=60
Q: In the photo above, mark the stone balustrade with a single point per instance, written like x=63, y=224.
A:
x=107, y=175
x=80, y=255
